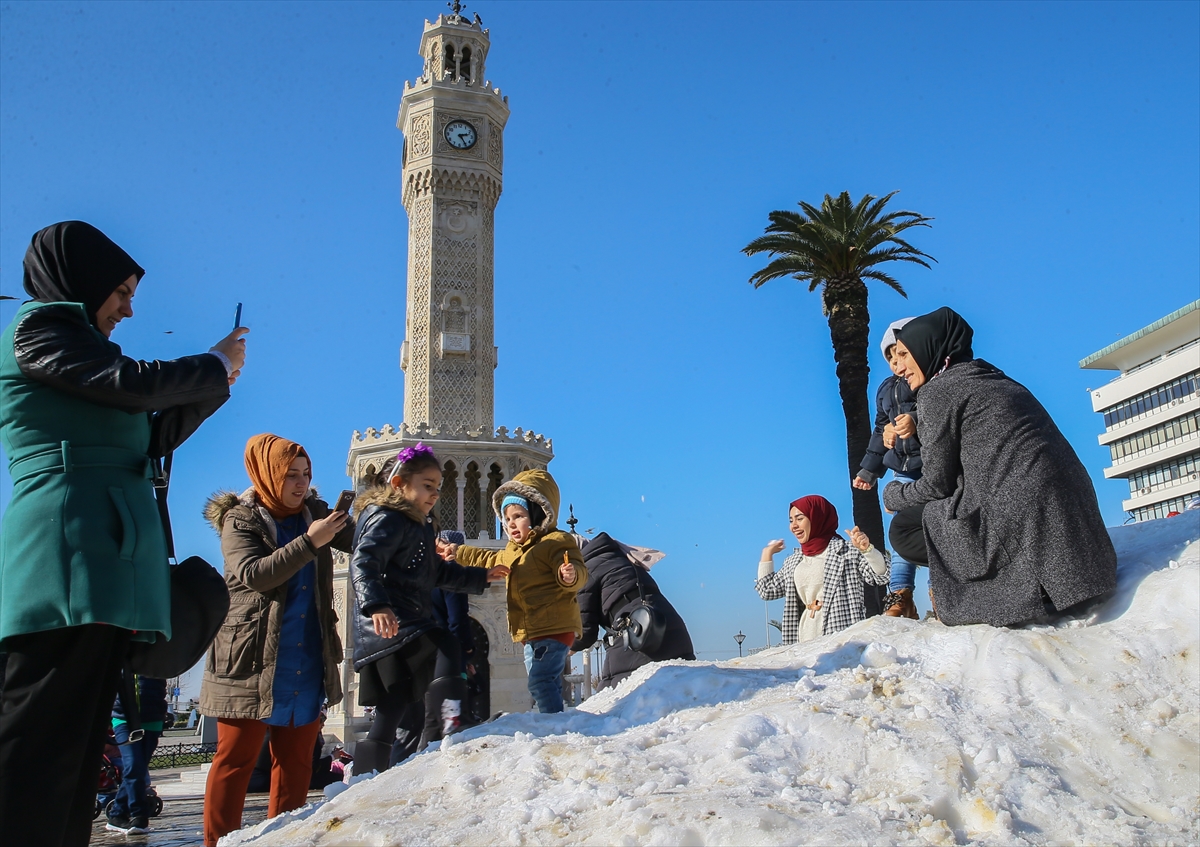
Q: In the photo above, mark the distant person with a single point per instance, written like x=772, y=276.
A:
x=278, y=655
x=616, y=584
x=83, y=554
x=1011, y=522
x=822, y=580
x=894, y=401
x=400, y=651
x=130, y=812
x=547, y=573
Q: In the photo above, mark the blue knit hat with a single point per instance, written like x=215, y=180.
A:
x=452, y=536
x=513, y=500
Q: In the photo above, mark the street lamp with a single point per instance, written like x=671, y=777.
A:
x=739, y=638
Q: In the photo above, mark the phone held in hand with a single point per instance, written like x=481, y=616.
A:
x=237, y=316
x=344, y=501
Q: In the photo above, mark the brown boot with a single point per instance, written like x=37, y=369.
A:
x=899, y=604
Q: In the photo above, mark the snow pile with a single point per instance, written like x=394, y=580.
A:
x=892, y=731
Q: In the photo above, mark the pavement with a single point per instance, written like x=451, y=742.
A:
x=181, y=823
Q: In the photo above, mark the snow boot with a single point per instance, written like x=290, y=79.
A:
x=899, y=604
x=371, y=756
x=443, y=708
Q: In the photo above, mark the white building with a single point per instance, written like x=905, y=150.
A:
x=1152, y=413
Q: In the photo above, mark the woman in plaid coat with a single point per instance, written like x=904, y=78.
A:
x=822, y=580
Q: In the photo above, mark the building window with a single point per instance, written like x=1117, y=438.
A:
x=1177, y=389
x=1145, y=481
x=1155, y=437
x=1161, y=510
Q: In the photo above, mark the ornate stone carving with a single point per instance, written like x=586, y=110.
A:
x=495, y=146
x=458, y=220
x=420, y=140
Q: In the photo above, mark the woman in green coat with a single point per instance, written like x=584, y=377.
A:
x=83, y=560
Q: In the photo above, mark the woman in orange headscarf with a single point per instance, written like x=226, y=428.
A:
x=276, y=657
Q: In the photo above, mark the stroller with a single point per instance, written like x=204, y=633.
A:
x=110, y=781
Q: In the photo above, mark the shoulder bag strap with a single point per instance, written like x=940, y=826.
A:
x=162, y=483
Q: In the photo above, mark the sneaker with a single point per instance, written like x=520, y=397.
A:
x=129, y=826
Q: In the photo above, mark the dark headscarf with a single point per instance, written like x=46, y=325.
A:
x=938, y=340
x=823, y=517
x=74, y=262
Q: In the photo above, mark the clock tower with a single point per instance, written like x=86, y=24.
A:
x=453, y=124
x=452, y=174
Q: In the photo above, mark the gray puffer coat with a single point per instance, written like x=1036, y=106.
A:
x=1011, y=511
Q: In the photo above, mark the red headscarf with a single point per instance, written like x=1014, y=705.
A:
x=823, y=517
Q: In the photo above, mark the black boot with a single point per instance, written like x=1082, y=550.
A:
x=371, y=756
x=443, y=708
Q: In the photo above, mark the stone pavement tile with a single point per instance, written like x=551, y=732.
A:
x=181, y=823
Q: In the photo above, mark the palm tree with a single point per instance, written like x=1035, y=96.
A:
x=836, y=248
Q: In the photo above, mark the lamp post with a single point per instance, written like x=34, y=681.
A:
x=739, y=638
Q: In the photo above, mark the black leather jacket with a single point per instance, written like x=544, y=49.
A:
x=394, y=565
x=58, y=347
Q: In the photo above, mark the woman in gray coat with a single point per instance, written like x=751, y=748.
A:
x=1012, y=525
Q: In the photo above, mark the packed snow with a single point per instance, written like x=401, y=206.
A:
x=893, y=731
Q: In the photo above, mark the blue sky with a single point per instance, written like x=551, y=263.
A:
x=248, y=152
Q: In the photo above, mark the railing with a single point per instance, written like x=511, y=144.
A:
x=183, y=755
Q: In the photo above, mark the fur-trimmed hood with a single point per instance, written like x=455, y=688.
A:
x=536, y=486
x=388, y=498
x=221, y=503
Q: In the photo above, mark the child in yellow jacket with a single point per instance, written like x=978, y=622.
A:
x=546, y=572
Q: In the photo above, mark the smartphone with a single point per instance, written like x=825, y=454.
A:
x=237, y=316
x=344, y=501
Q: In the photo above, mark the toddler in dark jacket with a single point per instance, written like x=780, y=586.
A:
x=895, y=412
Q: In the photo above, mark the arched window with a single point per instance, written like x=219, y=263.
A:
x=451, y=66
x=464, y=68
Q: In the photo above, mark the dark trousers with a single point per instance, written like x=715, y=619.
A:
x=130, y=801
x=55, y=711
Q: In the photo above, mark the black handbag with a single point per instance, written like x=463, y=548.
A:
x=199, y=603
x=643, y=627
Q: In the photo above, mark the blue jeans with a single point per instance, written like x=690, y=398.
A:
x=545, y=659
x=904, y=572
x=130, y=801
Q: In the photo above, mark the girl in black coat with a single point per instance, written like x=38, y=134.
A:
x=613, y=589
x=400, y=651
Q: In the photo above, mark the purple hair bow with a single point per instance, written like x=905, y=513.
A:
x=410, y=453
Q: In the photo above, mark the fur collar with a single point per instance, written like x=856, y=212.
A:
x=388, y=498
x=220, y=504
x=533, y=496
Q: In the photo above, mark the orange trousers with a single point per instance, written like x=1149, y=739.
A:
x=238, y=743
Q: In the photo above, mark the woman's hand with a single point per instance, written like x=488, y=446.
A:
x=889, y=436
x=322, y=532
x=771, y=549
x=233, y=348
x=906, y=427
x=859, y=539
x=386, y=625
x=497, y=573
x=566, y=572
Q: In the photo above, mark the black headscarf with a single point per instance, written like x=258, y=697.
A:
x=938, y=339
x=74, y=262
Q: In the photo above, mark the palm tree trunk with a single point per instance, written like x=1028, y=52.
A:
x=845, y=303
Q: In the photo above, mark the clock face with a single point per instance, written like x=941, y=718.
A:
x=461, y=135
